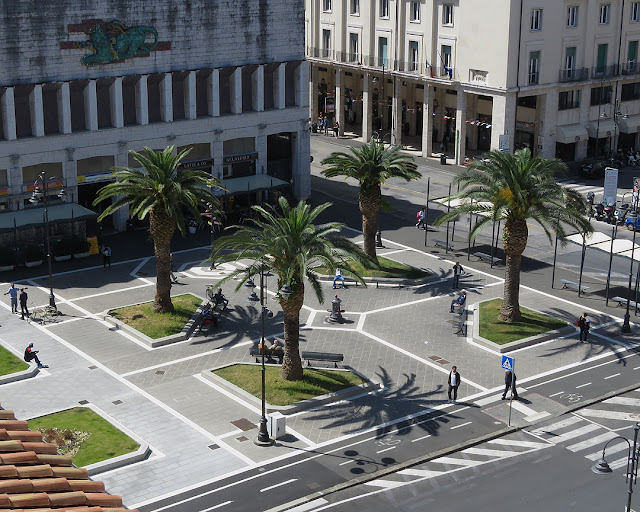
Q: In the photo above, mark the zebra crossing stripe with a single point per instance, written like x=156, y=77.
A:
x=557, y=426
x=457, y=462
x=601, y=439
x=619, y=463
x=387, y=484
x=575, y=433
x=491, y=453
x=523, y=444
x=623, y=400
x=423, y=473
x=613, y=448
x=611, y=415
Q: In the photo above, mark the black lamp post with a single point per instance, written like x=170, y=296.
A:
x=626, y=326
x=633, y=458
x=42, y=195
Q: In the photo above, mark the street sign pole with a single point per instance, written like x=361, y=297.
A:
x=509, y=363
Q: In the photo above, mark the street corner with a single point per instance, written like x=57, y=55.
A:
x=528, y=409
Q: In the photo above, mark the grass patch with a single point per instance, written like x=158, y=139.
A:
x=283, y=392
x=159, y=325
x=84, y=435
x=388, y=268
x=531, y=324
x=9, y=363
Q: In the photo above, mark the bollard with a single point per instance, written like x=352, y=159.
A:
x=379, y=239
x=336, y=312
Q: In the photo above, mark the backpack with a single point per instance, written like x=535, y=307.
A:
x=418, y=214
x=27, y=355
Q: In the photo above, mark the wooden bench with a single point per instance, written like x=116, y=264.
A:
x=483, y=256
x=322, y=356
x=573, y=286
x=347, y=282
x=256, y=352
x=623, y=302
x=443, y=243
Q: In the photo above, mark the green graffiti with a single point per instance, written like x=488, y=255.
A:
x=113, y=41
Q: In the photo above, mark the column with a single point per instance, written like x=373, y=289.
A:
x=235, y=90
x=117, y=107
x=190, y=111
x=367, y=112
x=301, y=163
x=427, y=122
x=9, y=115
x=213, y=93
x=301, y=79
x=585, y=106
x=63, y=95
x=166, y=98
x=339, y=102
x=70, y=174
x=313, y=95
x=120, y=216
x=142, y=101
x=461, y=127
x=396, y=112
x=218, y=156
x=261, y=149
x=279, y=86
x=91, y=106
x=37, y=111
x=257, y=89
x=549, y=122
x=503, y=120
x=15, y=177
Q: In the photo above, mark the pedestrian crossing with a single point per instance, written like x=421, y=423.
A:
x=597, y=190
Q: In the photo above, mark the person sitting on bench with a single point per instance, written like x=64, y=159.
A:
x=459, y=302
x=219, y=298
x=338, y=278
x=275, y=350
x=208, y=317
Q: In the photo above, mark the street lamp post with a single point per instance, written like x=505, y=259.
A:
x=633, y=459
x=43, y=195
x=626, y=326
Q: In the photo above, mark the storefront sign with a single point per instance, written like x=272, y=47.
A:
x=55, y=183
x=504, y=143
x=196, y=164
x=4, y=191
x=95, y=178
x=236, y=159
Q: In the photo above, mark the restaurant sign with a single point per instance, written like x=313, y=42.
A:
x=236, y=159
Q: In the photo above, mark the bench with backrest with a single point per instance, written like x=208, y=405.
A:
x=483, y=256
x=443, y=243
x=255, y=351
x=460, y=321
x=322, y=356
x=573, y=286
x=458, y=307
x=623, y=302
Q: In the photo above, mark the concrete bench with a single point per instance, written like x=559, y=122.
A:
x=398, y=281
x=256, y=352
x=573, y=286
x=347, y=281
x=623, y=302
x=443, y=243
x=483, y=256
x=322, y=356
x=460, y=321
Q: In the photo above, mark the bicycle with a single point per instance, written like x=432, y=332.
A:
x=45, y=314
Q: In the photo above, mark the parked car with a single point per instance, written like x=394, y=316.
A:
x=593, y=170
x=632, y=223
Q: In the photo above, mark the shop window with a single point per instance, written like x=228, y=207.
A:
x=601, y=95
x=569, y=100
x=95, y=165
x=630, y=92
x=30, y=173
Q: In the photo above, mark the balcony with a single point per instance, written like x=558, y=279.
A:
x=410, y=67
x=574, y=74
x=445, y=73
x=320, y=53
x=604, y=71
x=630, y=68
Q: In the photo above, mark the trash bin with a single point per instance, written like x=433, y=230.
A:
x=443, y=159
x=93, y=244
x=314, y=127
x=276, y=425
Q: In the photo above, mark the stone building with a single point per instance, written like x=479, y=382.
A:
x=82, y=83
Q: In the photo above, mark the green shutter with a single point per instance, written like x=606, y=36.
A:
x=633, y=50
x=602, y=56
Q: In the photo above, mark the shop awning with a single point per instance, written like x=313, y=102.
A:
x=629, y=124
x=255, y=183
x=571, y=133
x=35, y=216
x=605, y=129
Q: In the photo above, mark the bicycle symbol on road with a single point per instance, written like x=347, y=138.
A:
x=388, y=441
x=572, y=398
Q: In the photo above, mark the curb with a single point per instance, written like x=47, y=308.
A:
x=32, y=371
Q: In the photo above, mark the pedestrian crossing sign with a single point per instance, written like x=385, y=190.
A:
x=508, y=363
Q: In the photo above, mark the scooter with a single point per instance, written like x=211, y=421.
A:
x=620, y=215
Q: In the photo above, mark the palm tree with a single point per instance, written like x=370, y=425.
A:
x=165, y=194
x=517, y=188
x=286, y=242
x=372, y=164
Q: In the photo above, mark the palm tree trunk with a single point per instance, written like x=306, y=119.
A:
x=369, y=201
x=292, y=364
x=514, y=240
x=162, y=228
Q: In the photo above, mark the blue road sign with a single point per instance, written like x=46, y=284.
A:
x=508, y=363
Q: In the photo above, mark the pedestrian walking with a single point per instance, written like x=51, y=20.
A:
x=509, y=383
x=326, y=126
x=454, y=384
x=106, y=256
x=584, y=323
x=12, y=292
x=420, y=217
x=457, y=272
x=336, y=129
x=30, y=355
x=23, y=302
x=445, y=142
x=338, y=277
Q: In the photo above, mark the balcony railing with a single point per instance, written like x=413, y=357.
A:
x=410, y=67
x=604, y=71
x=574, y=74
x=320, y=53
x=630, y=68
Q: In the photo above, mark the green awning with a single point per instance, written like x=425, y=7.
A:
x=35, y=216
x=255, y=183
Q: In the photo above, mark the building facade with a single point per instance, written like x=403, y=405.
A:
x=85, y=82
x=558, y=76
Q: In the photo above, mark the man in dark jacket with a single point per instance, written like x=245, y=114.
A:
x=509, y=383
x=454, y=384
x=23, y=302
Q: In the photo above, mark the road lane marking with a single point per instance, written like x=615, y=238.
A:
x=610, y=415
x=309, y=506
x=217, y=506
x=556, y=394
x=458, y=426
x=278, y=485
x=611, y=376
x=583, y=385
x=527, y=411
x=424, y=473
x=523, y=444
x=387, y=449
x=347, y=462
x=421, y=438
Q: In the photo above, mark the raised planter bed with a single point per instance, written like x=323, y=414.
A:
x=65, y=257
x=30, y=264
x=80, y=255
x=6, y=268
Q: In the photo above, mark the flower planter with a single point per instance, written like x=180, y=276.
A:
x=30, y=264
x=6, y=268
x=65, y=257
x=80, y=255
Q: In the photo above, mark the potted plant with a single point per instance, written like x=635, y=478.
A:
x=7, y=259
x=32, y=256
x=193, y=225
x=79, y=247
x=62, y=249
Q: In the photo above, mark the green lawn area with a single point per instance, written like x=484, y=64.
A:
x=10, y=363
x=388, y=268
x=84, y=435
x=531, y=324
x=283, y=392
x=159, y=325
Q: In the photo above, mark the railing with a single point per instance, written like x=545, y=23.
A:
x=574, y=74
x=320, y=53
x=604, y=71
x=410, y=67
x=533, y=78
x=630, y=68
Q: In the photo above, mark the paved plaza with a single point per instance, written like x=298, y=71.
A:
x=402, y=338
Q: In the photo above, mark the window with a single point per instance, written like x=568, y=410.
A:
x=635, y=12
x=630, y=92
x=601, y=95
x=384, y=8
x=326, y=5
x=446, y=60
x=536, y=19
x=355, y=6
x=353, y=48
x=570, y=62
x=414, y=56
x=414, y=15
x=601, y=63
x=447, y=14
x=326, y=43
x=632, y=55
x=569, y=99
x=382, y=51
x=604, y=13
x=534, y=67
x=572, y=16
